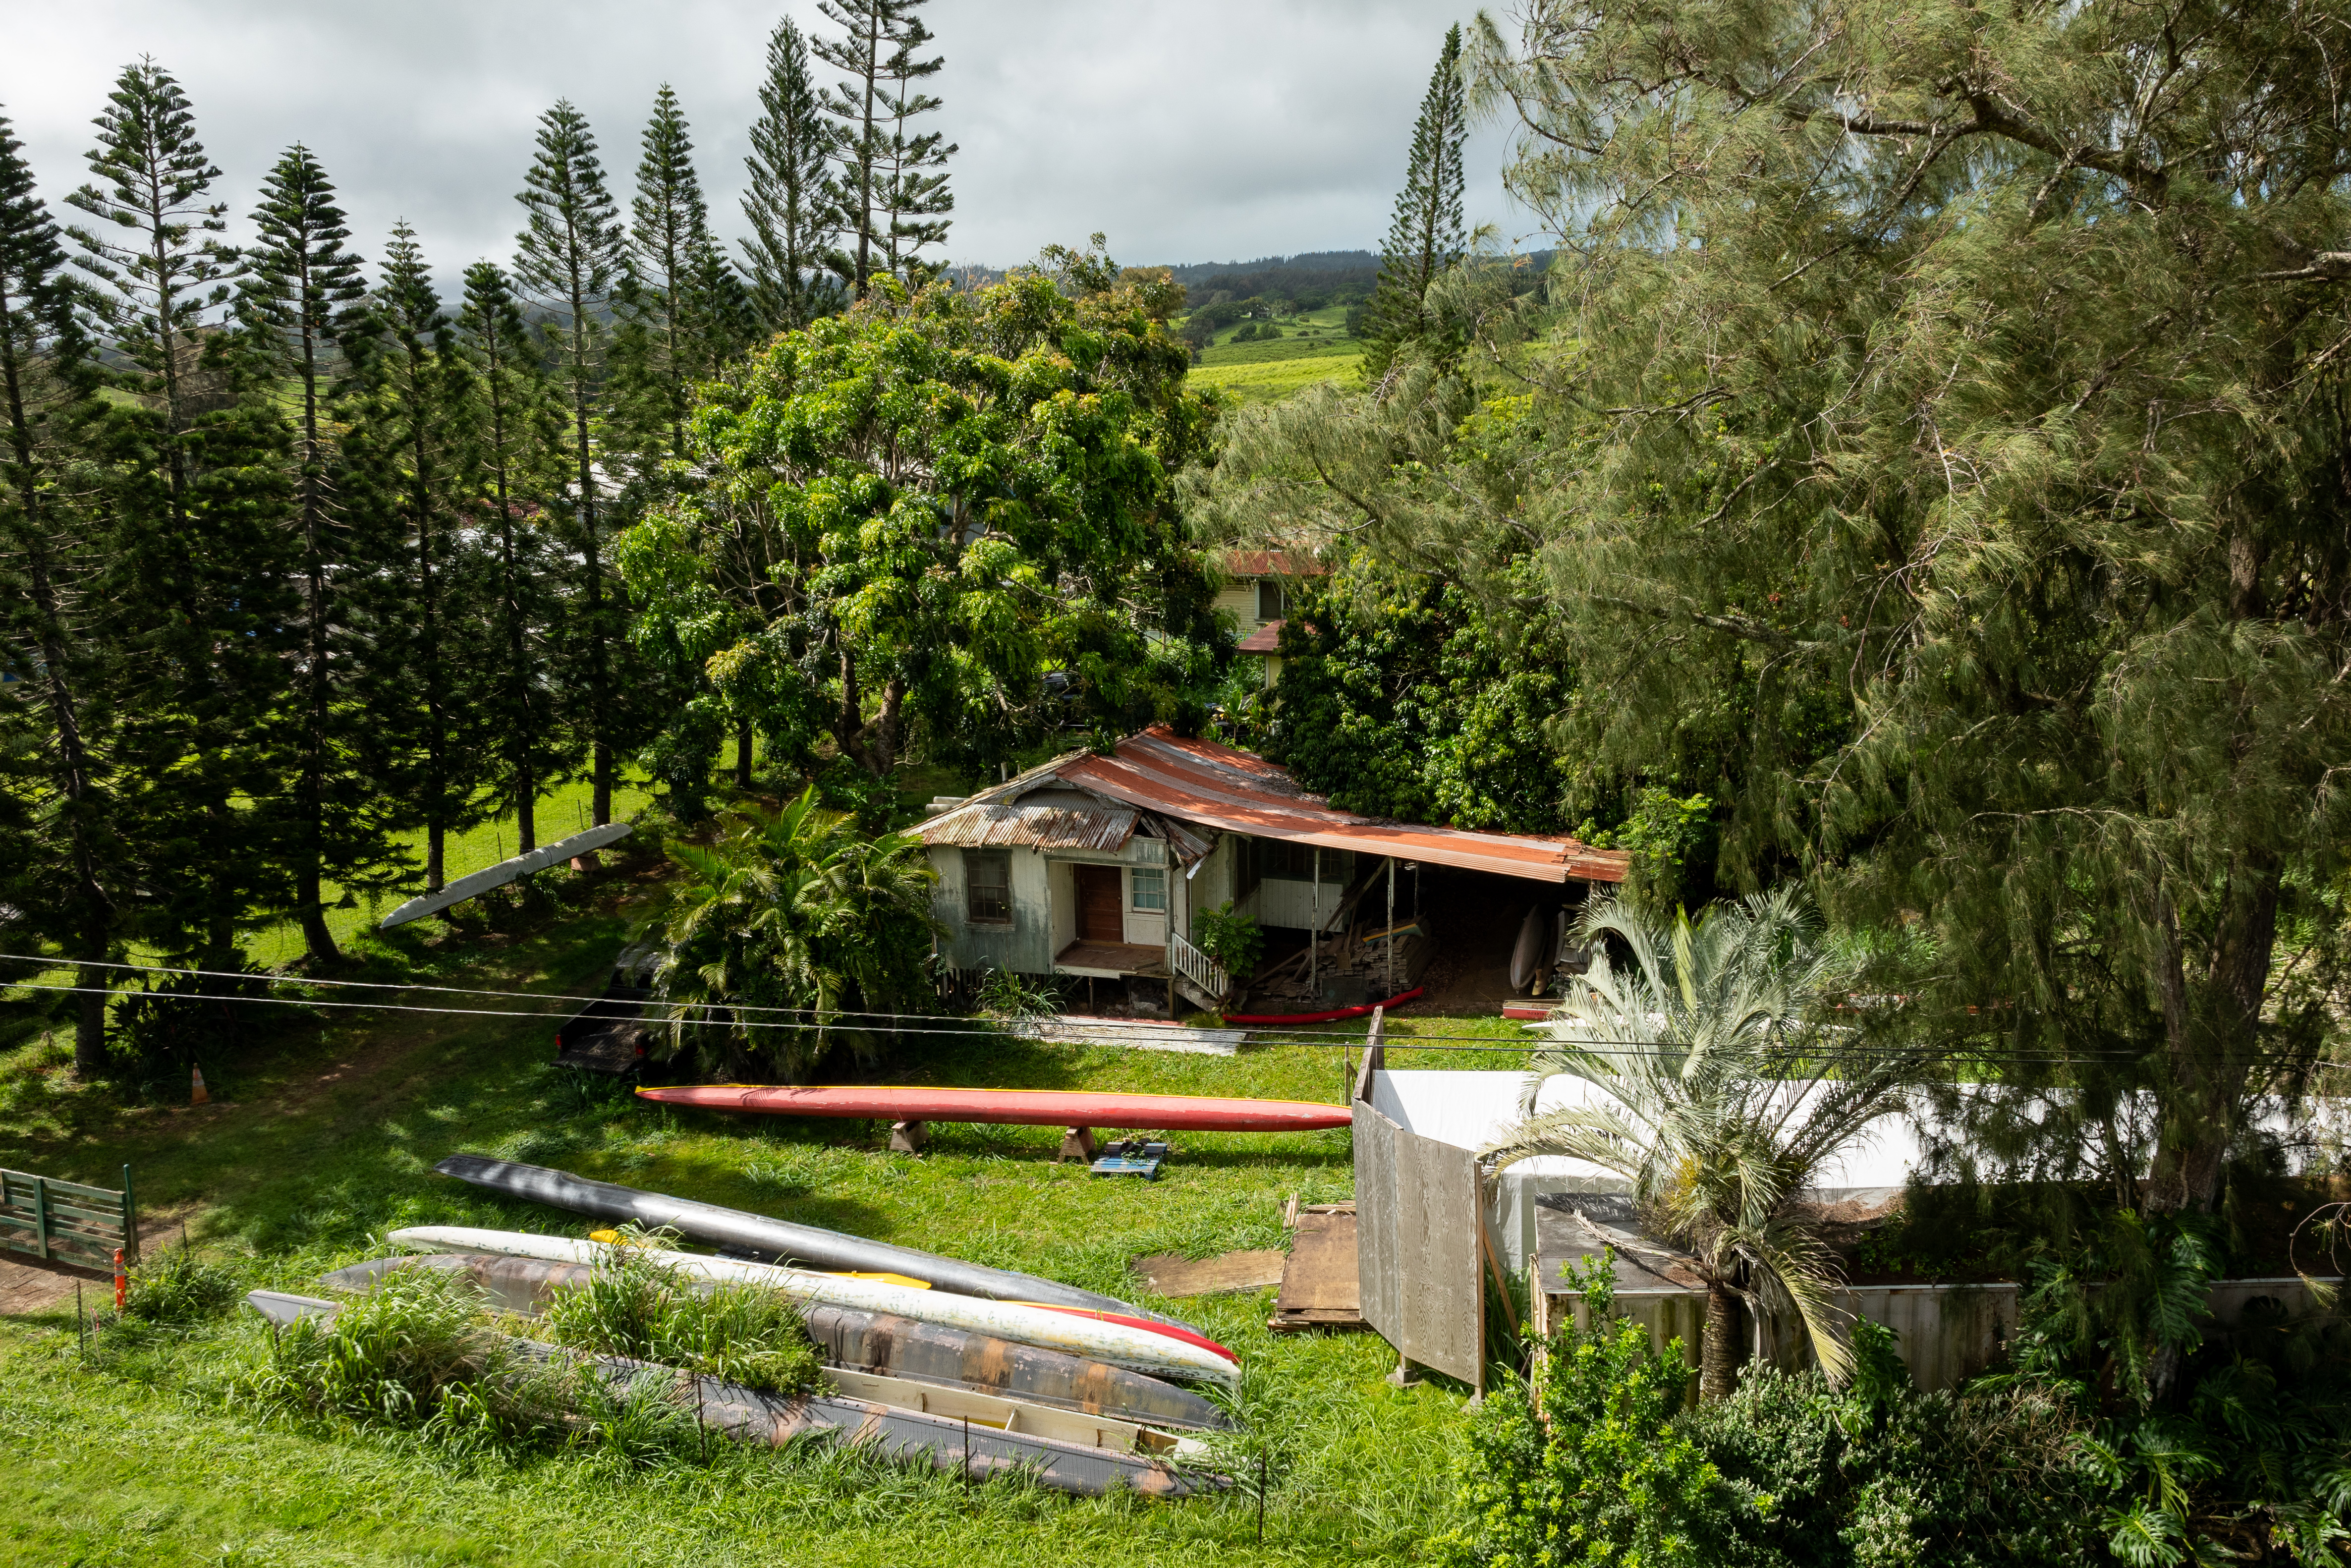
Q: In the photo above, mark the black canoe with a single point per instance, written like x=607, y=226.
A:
x=751, y=1415
x=869, y=1342
x=780, y=1239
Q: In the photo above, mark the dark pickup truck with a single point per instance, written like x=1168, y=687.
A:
x=610, y=1035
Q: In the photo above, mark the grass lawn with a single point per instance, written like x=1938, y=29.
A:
x=326, y=1136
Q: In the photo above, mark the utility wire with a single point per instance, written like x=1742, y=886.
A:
x=833, y=1018
x=929, y=1024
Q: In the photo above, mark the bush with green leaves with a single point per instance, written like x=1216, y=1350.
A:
x=1232, y=938
x=1602, y=1460
x=178, y=1287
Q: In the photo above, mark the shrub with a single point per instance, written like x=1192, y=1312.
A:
x=177, y=1286
x=416, y=1354
x=1605, y=1464
x=1595, y=1467
x=1228, y=936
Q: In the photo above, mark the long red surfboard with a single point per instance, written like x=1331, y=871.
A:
x=1015, y=1107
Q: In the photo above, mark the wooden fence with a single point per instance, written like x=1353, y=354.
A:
x=65, y=1221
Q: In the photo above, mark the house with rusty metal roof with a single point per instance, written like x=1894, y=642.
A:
x=1095, y=864
x=1257, y=593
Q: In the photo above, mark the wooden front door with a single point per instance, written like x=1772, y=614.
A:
x=1101, y=904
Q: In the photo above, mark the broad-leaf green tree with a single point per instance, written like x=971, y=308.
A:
x=915, y=513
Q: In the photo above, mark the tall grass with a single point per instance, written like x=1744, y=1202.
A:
x=636, y=1307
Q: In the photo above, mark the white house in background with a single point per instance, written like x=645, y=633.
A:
x=1095, y=865
x=1258, y=584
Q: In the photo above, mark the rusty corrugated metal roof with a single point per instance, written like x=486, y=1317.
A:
x=1201, y=782
x=990, y=825
x=1265, y=639
x=1272, y=563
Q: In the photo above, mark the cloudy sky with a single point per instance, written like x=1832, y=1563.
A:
x=1214, y=130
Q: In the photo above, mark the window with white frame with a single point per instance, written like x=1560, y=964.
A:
x=1150, y=886
x=988, y=887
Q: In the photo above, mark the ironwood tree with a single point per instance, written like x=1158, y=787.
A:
x=889, y=187
x=410, y=416
x=675, y=330
x=195, y=479
x=513, y=459
x=1426, y=236
x=1985, y=372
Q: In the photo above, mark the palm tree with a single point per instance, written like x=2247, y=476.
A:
x=794, y=912
x=1720, y=1092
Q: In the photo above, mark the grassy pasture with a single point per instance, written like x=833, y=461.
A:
x=326, y=1136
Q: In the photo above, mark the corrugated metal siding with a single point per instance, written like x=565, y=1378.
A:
x=1025, y=946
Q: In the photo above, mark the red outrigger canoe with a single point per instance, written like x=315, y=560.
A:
x=1013, y=1107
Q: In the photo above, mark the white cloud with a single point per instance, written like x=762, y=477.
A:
x=1214, y=131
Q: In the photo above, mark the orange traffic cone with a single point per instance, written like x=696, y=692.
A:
x=197, y=1094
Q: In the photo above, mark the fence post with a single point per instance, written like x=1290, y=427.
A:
x=130, y=1218
x=41, y=1214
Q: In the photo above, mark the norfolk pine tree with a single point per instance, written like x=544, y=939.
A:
x=302, y=303
x=512, y=437
x=1425, y=236
x=568, y=257
x=888, y=205
x=61, y=848
x=416, y=402
x=195, y=485
x=673, y=334
x=794, y=224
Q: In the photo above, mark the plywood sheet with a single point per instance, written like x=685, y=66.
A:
x=1171, y=1275
x=1439, y=1220
x=1323, y=1271
x=1378, y=1249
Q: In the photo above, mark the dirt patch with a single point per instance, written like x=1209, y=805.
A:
x=30, y=1287
x=1475, y=917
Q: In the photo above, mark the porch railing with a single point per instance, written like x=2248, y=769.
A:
x=1189, y=963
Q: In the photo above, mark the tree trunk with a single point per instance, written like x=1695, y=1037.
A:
x=1718, y=1371
x=743, y=754
x=525, y=813
x=435, y=841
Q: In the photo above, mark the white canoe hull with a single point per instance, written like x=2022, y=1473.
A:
x=1114, y=1343
x=506, y=870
